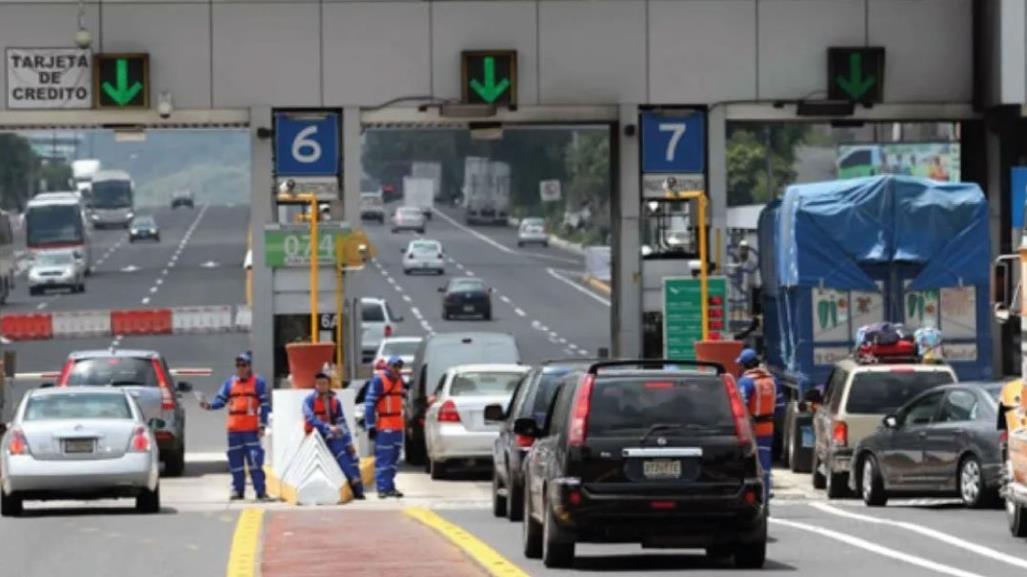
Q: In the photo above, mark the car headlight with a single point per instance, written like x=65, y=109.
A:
x=95, y=216
x=131, y=215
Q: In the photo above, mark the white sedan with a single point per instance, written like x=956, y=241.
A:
x=455, y=426
x=532, y=230
x=424, y=256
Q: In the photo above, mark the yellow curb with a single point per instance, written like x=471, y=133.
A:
x=489, y=559
x=242, y=559
x=598, y=285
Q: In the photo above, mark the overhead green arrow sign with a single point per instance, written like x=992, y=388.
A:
x=490, y=90
x=121, y=81
x=856, y=74
x=855, y=84
x=123, y=93
x=489, y=77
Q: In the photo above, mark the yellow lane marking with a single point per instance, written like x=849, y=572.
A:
x=242, y=559
x=487, y=557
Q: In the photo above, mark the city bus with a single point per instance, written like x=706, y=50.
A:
x=8, y=265
x=112, y=200
x=57, y=221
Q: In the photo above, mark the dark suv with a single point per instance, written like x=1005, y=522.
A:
x=182, y=198
x=645, y=452
x=531, y=399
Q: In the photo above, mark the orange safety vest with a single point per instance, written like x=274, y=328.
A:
x=243, y=406
x=390, y=404
x=762, y=401
x=323, y=412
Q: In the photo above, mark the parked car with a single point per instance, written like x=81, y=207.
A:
x=455, y=428
x=424, y=256
x=372, y=206
x=81, y=443
x=466, y=296
x=143, y=227
x=645, y=452
x=532, y=230
x=182, y=198
x=57, y=269
x=437, y=354
x=147, y=377
x=943, y=442
x=534, y=395
x=402, y=347
x=377, y=322
x=855, y=399
x=408, y=218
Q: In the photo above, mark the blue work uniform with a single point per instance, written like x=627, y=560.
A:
x=321, y=415
x=383, y=412
x=759, y=392
x=248, y=409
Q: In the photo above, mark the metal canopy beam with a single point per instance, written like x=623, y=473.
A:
x=98, y=119
x=879, y=112
x=430, y=118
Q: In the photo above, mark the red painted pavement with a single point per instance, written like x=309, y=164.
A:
x=358, y=544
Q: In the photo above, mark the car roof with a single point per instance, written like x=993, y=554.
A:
x=852, y=366
x=372, y=300
x=489, y=368
x=473, y=279
x=116, y=353
x=103, y=175
x=402, y=339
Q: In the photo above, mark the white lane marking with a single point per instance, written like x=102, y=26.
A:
x=460, y=266
x=450, y=260
x=504, y=298
x=577, y=287
x=129, y=268
x=519, y=312
x=408, y=299
x=159, y=281
x=40, y=306
x=426, y=326
x=927, y=532
x=416, y=312
x=475, y=233
x=568, y=351
x=146, y=300
x=563, y=341
x=164, y=272
x=470, y=273
x=153, y=290
x=537, y=325
x=583, y=352
x=543, y=328
x=398, y=288
x=875, y=548
x=573, y=347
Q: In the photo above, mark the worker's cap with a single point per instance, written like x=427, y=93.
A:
x=244, y=357
x=747, y=357
x=395, y=361
x=321, y=375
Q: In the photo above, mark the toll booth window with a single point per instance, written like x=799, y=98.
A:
x=669, y=230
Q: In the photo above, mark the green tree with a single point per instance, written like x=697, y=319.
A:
x=17, y=171
x=755, y=151
x=54, y=174
x=588, y=167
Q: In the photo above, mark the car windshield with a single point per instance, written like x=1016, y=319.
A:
x=880, y=392
x=112, y=194
x=532, y=222
x=471, y=384
x=425, y=247
x=118, y=371
x=408, y=211
x=633, y=405
x=400, y=348
x=467, y=285
x=55, y=223
x=54, y=258
x=548, y=385
x=144, y=221
x=77, y=406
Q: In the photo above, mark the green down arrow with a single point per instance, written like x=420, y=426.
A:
x=124, y=93
x=856, y=86
x=490, y=90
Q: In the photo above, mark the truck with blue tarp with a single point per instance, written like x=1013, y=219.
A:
x=838, y=255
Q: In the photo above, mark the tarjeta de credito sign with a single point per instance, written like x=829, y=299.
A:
x=49, y=78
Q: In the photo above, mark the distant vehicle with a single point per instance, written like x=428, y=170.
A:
x=858, y=161
x=372, y=206
x=113, y=201
x=534, y=395
x=532, y=231
x=82, y=172
x=632, y=452
x=143, y=227
x=378, y=322
x=182, y=198
x=435, y=356
x=466, y=296
x=81, y=443
x=856, y=398
x=408, y=218
x=424, y=256
x=455, y=428
x=57, y=221
x=402, y=347
x=8, y=264
x=941, y=443
x=420, y=193
x=57, y=269
x=486, y=192
x=146, y=376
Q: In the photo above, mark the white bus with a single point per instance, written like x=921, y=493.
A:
x=8, y=266
x=112, y=199
x=57, y=221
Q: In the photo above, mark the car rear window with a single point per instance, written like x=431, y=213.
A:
x=634, y=405
x=78, y=406
x=467, y=285
x=880, y=392
x=372, y=313
x=483, y=384
x=401, y=348
x=547, y=388
x=116, y=371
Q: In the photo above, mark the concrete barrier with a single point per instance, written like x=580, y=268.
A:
x=81, y=323
x=212, y=319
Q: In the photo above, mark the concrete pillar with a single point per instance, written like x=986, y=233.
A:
x=261, y=212
x=626, y=312
x=351, y=165
x=716, y=185
x=995, y=194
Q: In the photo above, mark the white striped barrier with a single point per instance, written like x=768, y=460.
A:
x=192, y=320
x=27, y=326
x=80, y=323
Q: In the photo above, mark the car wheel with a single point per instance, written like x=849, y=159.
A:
x=420, y=231
x=819, y=481
x=971, y=484
x=33, y=291
x=1016, y=514
x=545, y=243
x=531, y=531
x=488, y=314
x=837, y=484
x=437, y=470
x=520, y=244
x=149, y=501
x=872, y=483
x=515, y=501
x=174, y=465
x=751, y=555
x=131, y=240
x=413, y=452
x=157, y=239
x=10, y=505
x=557, y=545
x=81, y=287
x=499, y=502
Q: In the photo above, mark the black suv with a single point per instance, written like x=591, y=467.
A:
x=645, y=452
x=182, y=198
x=531, y=399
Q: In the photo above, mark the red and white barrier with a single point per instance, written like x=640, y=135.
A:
x=81, y=323
x=166, y=321
x=215, y=319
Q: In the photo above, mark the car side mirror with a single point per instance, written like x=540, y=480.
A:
x=442, y=289
x=183, y=387
x=891, y=422
x=155, y=424
x=495, y=413
x=398, y=318
x=46, y=386
x=527, y=427
x=813, y=396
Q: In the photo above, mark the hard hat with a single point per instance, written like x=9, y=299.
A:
x=322, y=375
x=747, y=357
x=244, y=357
x=395, y=361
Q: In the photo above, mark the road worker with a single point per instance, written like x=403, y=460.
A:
x=383, y=415
x=759, y=393
x=322, y=411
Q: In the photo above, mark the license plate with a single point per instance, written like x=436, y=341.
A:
x=661, y=469
x=807, y=437
x=468, y=308
x=78, y=446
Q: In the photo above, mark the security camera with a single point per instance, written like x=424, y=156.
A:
x=287, y=187
x=164, y=106
x=83, y=38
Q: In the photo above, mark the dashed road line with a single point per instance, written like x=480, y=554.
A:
x=408, y=299
x=519, y=312
x=146, y=300
x=504, y=298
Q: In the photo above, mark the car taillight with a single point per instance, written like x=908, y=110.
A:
x=840, y=434
x=524, y=441
x=448, y=413
x=140, y=441
x=388, y=330
x=62, y=381
x=18, y=445
x=579, y=415
x=662, y=505
x=167, y=398
x=742, y=427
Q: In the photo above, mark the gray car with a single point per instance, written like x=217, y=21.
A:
x=943, y=442
x=147, y=377
x=79, y=443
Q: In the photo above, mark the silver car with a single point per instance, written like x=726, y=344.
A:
x=408, y=218
x=455, y=426
x=532, y=230
x=56, y=269
x=424, y=255
x=79, y=443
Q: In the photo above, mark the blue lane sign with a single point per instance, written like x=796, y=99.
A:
x=673, y=143
x=1018, y=182
x=306, y=144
